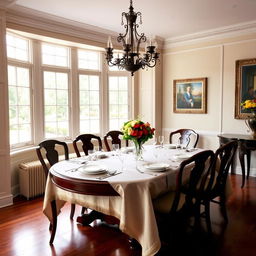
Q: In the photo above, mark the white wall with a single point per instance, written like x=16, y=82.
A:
x=216, y=61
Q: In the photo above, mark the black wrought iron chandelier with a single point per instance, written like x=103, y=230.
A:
x=131, y=59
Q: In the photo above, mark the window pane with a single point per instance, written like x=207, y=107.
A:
x=63, y=129
x=24, y=115
x=50, y=97
x=23, y=96
x=12, y=75
x=89, y=96
x=50, y=113
x=62, y=81
x=13, y=100
x=56, y=100
x=19, y=105
x=17, y=48
x=49, y=80
x=23, y=77
x=118, y=101
x=55, y=55
x=62, y=97
x=88, y=60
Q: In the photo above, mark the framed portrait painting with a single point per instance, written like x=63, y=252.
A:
x=190, y=95
x=245, y=86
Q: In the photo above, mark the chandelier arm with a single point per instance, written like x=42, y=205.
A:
x=151, y=64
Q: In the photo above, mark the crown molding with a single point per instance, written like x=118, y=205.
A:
x=23, y=16
x=211, y=35
x=6, y=3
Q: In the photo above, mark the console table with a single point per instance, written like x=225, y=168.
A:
x=246, y=143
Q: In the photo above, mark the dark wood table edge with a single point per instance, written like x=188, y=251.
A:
x=85, y=187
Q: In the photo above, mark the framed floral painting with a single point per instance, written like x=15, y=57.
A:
x=245, y=87
x=190, y=95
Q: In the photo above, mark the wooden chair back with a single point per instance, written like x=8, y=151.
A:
x=51, y=153
x=224, y=155
x=87, y=144
x=185, y=136
x=114, y=135
x=201, y=166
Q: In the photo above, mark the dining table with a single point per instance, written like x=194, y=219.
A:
x=116, y=184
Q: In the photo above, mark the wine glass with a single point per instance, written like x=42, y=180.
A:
x=161, y=140
x=115, y=148
x=91, y=154
x=121, y=157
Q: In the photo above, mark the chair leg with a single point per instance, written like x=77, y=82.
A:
x=54, y=221
x=207, y=216
x=83, y=210
x=72, y=212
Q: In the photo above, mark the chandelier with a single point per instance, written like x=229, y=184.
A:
x=131, y=59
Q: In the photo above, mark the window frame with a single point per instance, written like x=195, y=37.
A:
x=27, y=65
x=37, y=101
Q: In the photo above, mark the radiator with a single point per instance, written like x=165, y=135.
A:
x=32, y=179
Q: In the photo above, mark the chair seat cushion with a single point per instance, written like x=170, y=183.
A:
x=163, y=203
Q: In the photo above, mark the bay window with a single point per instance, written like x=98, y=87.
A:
x=70, y=90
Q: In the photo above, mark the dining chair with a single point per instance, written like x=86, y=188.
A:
x=87, y=144
x=190, y=184
x=114, y=136
x=185, y=137
x=216, y=187
x=52, y=155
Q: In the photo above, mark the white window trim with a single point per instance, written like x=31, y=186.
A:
x=37, y=90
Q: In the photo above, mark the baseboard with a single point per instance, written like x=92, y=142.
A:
x=16, y=190
x=6, y=200
x=238, y=170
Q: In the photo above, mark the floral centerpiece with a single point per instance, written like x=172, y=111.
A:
x=139, y=132
x=250, y=105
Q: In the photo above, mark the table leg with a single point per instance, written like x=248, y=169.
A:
x=248, y=153
x=241, y=158
x=54, y=221
x=88, y=218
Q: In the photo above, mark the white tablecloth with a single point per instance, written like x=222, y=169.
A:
x=134, y=205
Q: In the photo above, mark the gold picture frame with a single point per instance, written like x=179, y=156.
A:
x=245, y=85
x=190, y=96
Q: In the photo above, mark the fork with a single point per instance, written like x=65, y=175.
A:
x=109, y=174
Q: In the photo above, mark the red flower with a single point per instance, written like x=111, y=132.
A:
x=145, y=131
x=140, y=133
x=134, y=133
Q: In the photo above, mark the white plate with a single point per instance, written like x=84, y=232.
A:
x=182, y=156
x=157, y=166
x=92, y=169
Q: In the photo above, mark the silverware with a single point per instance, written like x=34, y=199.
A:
x=109, y=174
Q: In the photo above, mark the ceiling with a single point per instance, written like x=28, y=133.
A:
x=165, y=18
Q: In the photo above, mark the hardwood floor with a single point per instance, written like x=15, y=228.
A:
x=24, y=231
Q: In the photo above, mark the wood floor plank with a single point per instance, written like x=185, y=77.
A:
x=24, y=231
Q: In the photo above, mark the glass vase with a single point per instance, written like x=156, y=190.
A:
x=251, y=124
x=138, y=151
